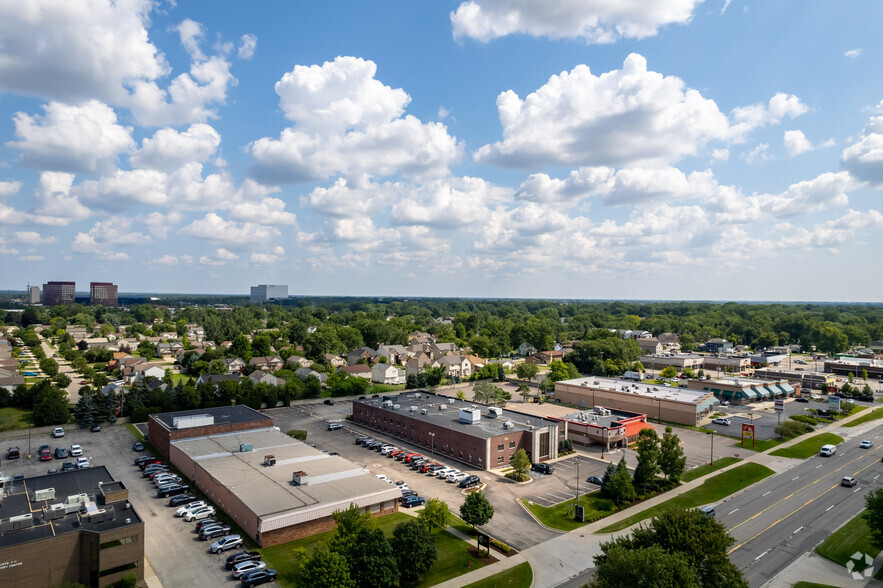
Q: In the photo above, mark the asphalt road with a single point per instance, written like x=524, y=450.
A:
x=790, y=513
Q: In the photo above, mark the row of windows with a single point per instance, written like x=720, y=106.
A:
x=118, y=542
x=511, y=446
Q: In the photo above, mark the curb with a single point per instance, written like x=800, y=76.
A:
x=527, y=510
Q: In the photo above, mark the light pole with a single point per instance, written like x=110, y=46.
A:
x=603, y=438
x=712, y=446
x=659, y=411
x=432, y=436
x=577, y=479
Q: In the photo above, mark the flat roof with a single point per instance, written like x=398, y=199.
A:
x=743, y=382
x=590, y=417
x=654, y=391
x=20, y=500
x=237, y=413
x=444, y=411
x=332, y=481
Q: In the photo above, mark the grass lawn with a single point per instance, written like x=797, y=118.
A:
x=871, y=416
x=854, y=536
x=702, y=470
x=459, y=524
x=451, y=562
x=759, y=445
x=808, y=447
x=12, y=418
x=712, y=490
x=520, y=576
x=135, y=432
x=557, y=518
x=183, y=378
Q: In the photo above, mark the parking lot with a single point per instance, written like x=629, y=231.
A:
x=175, y=552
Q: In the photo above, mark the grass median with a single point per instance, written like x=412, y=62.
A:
x=875, y=414
x=708, y=468
x=853, y=537
x=712, y=490
x=759, y=446
x=520, y=576
x=12, y=418
x=560, y=516
x=808, y=447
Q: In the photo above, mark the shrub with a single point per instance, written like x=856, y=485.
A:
x=802, y=418
x=790, y=429
x=501, y=546
x=298, y=434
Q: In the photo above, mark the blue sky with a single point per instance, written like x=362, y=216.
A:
x=673, y=149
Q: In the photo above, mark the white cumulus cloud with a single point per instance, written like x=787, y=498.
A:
x=796, y=143
x=214, y=228
x=9, y=188
x=853, y=53
x=864, y=158
x=247, y=45
x=169, y=149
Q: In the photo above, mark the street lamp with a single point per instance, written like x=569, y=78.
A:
x=577, y=479
x=712, y=446
x=603, y=438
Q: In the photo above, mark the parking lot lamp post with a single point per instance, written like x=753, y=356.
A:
x=577, y=479
x=712, y=447
x=659, y=410
x=603, y=439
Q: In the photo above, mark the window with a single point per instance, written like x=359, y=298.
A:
x=500, y=447
x=511, y=456
x=124, y=541
x=118, y=569
x=500, y=459
x=511, y=444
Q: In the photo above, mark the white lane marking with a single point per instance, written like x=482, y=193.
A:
x=829, y=508
x=856, y=490
x=765, y=493
x=797, y=531
x=732, y=511
x=761, y=555
x=877, y=476
x=818, y=466
x=794, y=478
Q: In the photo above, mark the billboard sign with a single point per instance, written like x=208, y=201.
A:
x=747, y=431
x=780, y=406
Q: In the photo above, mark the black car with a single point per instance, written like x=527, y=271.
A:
x=470, y=481
x=240, y=557
x=202, y=524
x=13, y=453
x=172, y=490
x=329, y=402
x=362, y=440
x=68, y=466
x=801, y=399
x=595, y=480
x=256, y=577
x=61, y=452
x=96, y=428
x=181, y=499
x=543, y=468
x=144, y=459
x=406, y=493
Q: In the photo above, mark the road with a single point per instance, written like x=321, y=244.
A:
x=788, y=514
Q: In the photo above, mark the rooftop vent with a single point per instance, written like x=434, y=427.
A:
x=269, y=460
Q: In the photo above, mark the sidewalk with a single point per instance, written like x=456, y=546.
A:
x=811, y=567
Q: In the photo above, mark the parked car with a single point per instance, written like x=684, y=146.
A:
x=256, y=577
x=240, y=557
x=412, y=501
x=801, y=399
x=181, y=499
x=188, y=507
x=469, y=482
x=866, y=444
x=443, y=473
x=145, y=459
x=426, y=466
x=200, y=525
x=68, y=466
x=595, y=480
x=455, y=477
x=13, y=453
x=543, y=468
x=412, y=457
x=334, y=426
x=244, y=567
x=721, y=421
x=57, y=432
x=708, y=511
x=329, y=402
x=360, y=440
x=76, y=451
x=199, y=513
x=83, y=463
x=848, y=481
x=382, y=477
x=213, y=531
x=725, y=403
x=388, y=449
x=61, y=453
x=225, y=543
x=407, y=493
x=173, y=490
x=18, y=477
x=434, y=469
x=96, y=428
x=45, y=454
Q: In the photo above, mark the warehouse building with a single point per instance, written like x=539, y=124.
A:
x=482, y=437
x=745, y=390
x=275, y=488
x=69, y=527
x=668, y=403
x=677, y=360
x=165, y=427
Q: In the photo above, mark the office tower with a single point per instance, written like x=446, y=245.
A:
x=57, y=293
x=103, y=294
x=265, y=292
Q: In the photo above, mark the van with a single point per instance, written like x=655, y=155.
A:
x=828, y=450
x=707, y=511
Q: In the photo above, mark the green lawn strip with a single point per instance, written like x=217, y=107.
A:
x=812, y=585
x=759, y=446
x=135, y=432
x=451, y=562
x=12, y=418
x=712, y=490
x=520, y=576
x=183, y=378
x=555, y=516
x=854, y=536
x=702, y=470
x=871, y=416
x=459, y=524
x=808, y=447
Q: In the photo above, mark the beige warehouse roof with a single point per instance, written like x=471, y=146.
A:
x=268, y=491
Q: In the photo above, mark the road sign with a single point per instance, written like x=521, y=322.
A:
x=780, y=406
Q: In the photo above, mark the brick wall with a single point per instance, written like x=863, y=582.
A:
x=308, y=529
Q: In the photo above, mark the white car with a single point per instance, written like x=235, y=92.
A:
x=443, y=473
x=382, y=477
x=188, y=507
x=451, y=474
x=865, y=444
x=58, y=432
x=457, y=477
x=403, y=487
x=247, y=566
x=388, y=449
x=76, y=451
x=83, y=463
x=162, y=480
x=720, y=421
x=199, y=513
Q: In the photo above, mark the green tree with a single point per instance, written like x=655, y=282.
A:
x=414, y=548
x=620, y=488
x=558, y=370
x=527, y=371
x=649, y=566
x=84, y=411
x=260, y=345
x=371, y=560
x=147, y=350
x=434, y=514
x=49, y=366
x=217, y=367
x=62, y=380
x=51, y=407
x=864, y=375
x=672, y=460
x=524, y=391
x=349, y=523
x=668, y=372
x=326, y=569
x=240, y=347
x=476, y=510
x=874, y=516
x=521, y=463
x=647, y=448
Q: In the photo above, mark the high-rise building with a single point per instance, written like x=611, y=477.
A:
x=103, y=294
x=57, y=293
x=33, y=294
x=265, y=292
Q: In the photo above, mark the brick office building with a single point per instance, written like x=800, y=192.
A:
x=58, y=293
x=165, y=427
x=75, y=526
x=103, y=294
x=479, y=436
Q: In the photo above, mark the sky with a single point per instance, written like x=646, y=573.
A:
x=636, y=149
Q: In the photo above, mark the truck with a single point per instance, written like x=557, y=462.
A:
x=636, y=376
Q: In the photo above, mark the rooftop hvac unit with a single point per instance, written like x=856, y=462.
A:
x=418, y=395
x=413, y=409
x=442, y=406
x=396, y=406
x=387, y=404
x=470, y=416
x=508, y=425
x=494, y=411
x=44, y=494
x=269, y=460
x=596, y=382
x=245, y=447
x=586, y=384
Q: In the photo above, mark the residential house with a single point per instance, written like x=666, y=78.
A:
x=547, y=357
x=456, y=366
x=394, y=354
x=157, y=385
x=418, y=364
x=420, y=338
x=195, y=332
x=216, y=378
x=356, y=355
x=670, y=342
x=383, y=373
x=360, y=370
x=649, y=345
x=526, y=349
x=298, y=361
x=438, y=350
x=304, y=373
x=117, y=387
x=168, y=335
x=507, y=364
x=139, y=371
x=77, y=332
x=262, y=377
x=234, y=365
x=629, y=334
x=477, y=362
x=169, y=350
x=334, y=360
x=9, y=379
x=269, y=363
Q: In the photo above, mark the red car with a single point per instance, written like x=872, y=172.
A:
x=45, y=455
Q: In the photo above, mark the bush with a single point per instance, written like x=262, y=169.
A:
x=298, y=434
x=802, y=418
x=790, y=429
x=501, y=546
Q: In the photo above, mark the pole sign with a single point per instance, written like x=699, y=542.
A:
x=747, y=431
x=579, y=513
x=780, y=406
x=834, y=403
x=484, y=540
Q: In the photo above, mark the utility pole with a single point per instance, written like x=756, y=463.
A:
x=577, y=479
